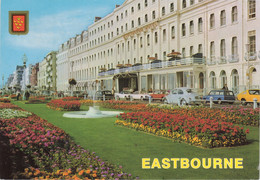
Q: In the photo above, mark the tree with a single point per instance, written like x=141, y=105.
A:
x=72, y=82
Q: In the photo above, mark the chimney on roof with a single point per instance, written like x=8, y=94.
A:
x=97, y=19
x=117, y=5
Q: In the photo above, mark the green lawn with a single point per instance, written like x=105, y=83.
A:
x=126, y=147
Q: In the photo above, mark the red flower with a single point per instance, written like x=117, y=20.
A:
x=176, y=128
x=247, y=131
x=187, y=130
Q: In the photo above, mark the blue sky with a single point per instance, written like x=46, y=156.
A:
x=51, y=22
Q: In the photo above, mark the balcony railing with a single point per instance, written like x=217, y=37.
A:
x=222, y=60
x=212, y=60
x=163, y=64
x=251, y=56
x=233, y=58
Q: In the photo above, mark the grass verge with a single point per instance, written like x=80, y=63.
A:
x=126, y=147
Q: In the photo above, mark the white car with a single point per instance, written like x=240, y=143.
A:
x=138, y=96
x=182, y=96
x=123, y=95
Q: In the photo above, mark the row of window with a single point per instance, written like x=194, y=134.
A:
x=234, y=14
x=223, y=79
x=125, y=14
x=234, y=48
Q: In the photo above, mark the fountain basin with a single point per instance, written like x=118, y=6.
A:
x=93, y=112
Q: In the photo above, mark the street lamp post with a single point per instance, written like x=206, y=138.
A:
x=247, y=71
x=72, y=64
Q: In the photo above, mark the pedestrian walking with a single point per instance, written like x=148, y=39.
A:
x=225, y=87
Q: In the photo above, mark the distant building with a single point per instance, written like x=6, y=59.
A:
x=63, y=67
x=47, y=72
x=33, y=77
x=18, y=76
x=10, y=80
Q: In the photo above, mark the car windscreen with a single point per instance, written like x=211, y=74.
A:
x=254, y=92
x=213, y=93
x=190, y=91
x=107, y=92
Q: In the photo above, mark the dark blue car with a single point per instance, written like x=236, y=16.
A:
x=220, y=96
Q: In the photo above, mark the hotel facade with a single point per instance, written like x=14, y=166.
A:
x=148, y=45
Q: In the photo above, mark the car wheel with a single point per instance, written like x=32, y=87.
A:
x=142, y=98
x=243, y=101
x=117, y=97
x=183, y=102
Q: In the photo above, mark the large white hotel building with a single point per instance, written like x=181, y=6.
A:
x=148, y=45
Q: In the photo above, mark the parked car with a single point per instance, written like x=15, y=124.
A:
x=138, y=96
x=80, y=94
x=122, y=95
x=182, y=96
x=220, y=96
x=108, y=95
x=249, y=96
x=157, y=95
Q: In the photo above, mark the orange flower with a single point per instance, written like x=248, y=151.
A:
x=65, y=173
x=26, y=170
x=94, y=172
x=81, y=172
x=75, y=177
x=37, y=171
x=88, y=171
x=94, y=175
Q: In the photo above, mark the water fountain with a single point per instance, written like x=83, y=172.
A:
x=93, y=112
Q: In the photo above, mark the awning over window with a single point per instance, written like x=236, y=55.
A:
x=125, y=75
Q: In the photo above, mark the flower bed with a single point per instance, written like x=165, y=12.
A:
x=8, y=105
x=37, y=100
x=5, y=100
x=52, y=153
x=60, y=105
x=242, y=115
x=89, y=102
x=71, y=98
x=124, y=105
x=12, y=113
x=13, y=96
x=196, y=131
x=237, y=115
